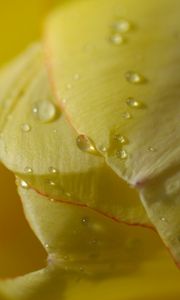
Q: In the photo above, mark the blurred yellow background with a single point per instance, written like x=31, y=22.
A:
x=21, y=23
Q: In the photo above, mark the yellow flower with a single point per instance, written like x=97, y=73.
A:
x=109, y=73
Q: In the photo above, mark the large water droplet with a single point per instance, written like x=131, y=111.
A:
x=26, y=127
x=85, y=144
x=116, y=39
x=134, y=77
x=44, y=111
x=133, y=103
x=122, y=25
x=122, y=154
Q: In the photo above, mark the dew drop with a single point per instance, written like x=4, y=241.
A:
x=121, y=139
x=122, y=154
x=52, y=170
x=26, y=127
x=52, y=200
x=133, y=103
x=67, y=194
x=126, y=115
x=84, y=220
x=46, y=246
x=24, y=184
x=85, y=144
x=151, y=149
x=163, y=219
x=28, y=170
x=122, y=26
x=103, y=149
x=134, y=77
x=44, y=111
x=116, y=39
x=52, y=183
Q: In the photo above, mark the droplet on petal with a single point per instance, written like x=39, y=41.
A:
x=52, y=170
x=134, y=77
x=85, y=144
x=24, y=184
x=28, y=170
x=122, y=25
x=117, y=39
x=133, y=103
x=121, y=139
x=122, y=154
x=26, y=127
x=44, y=111
x=126, y=115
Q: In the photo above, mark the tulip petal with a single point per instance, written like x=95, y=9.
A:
x=39, y=146
x=126, y=55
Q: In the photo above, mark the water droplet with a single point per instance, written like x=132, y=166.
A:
x=76, y=76
x=67, y=194
x=151, y=149
x=103, y=149
x=44, y=111
x=52, y=183
x=52, y=200
x=54, y=130
x=126, y=115
x=134, y=77
x=122, y=26
x=163, y=219
x=133, y=103
x=24, y=184
x=85, y=144
x=122, y=154
x=85, y=220
x=117, y=39
x=26, y=127
x=46, y=246
x=121, y=139
x=52, y=170
x=28, y=170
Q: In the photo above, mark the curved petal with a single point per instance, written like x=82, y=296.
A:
x=126, y=54
x=38, y=145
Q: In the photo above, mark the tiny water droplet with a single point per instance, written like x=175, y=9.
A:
x=46, y=246
x=76, y=76
x=52, y=170
x=163, y=219
x=103, y=149
x=84, y=220
x=85, y=144
x=121, y=139
x=28, y=170
x=134, y=77
x=151, y=149
x=126, y=115
x=54, y=130
x=122, y=26
x=122, y=154
x=24, y=184
x=117, y=39
x=133, y=103
x=44, y=111
x=26, y=127
x=52, y=183
x=67, y=194
x=52, y=200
